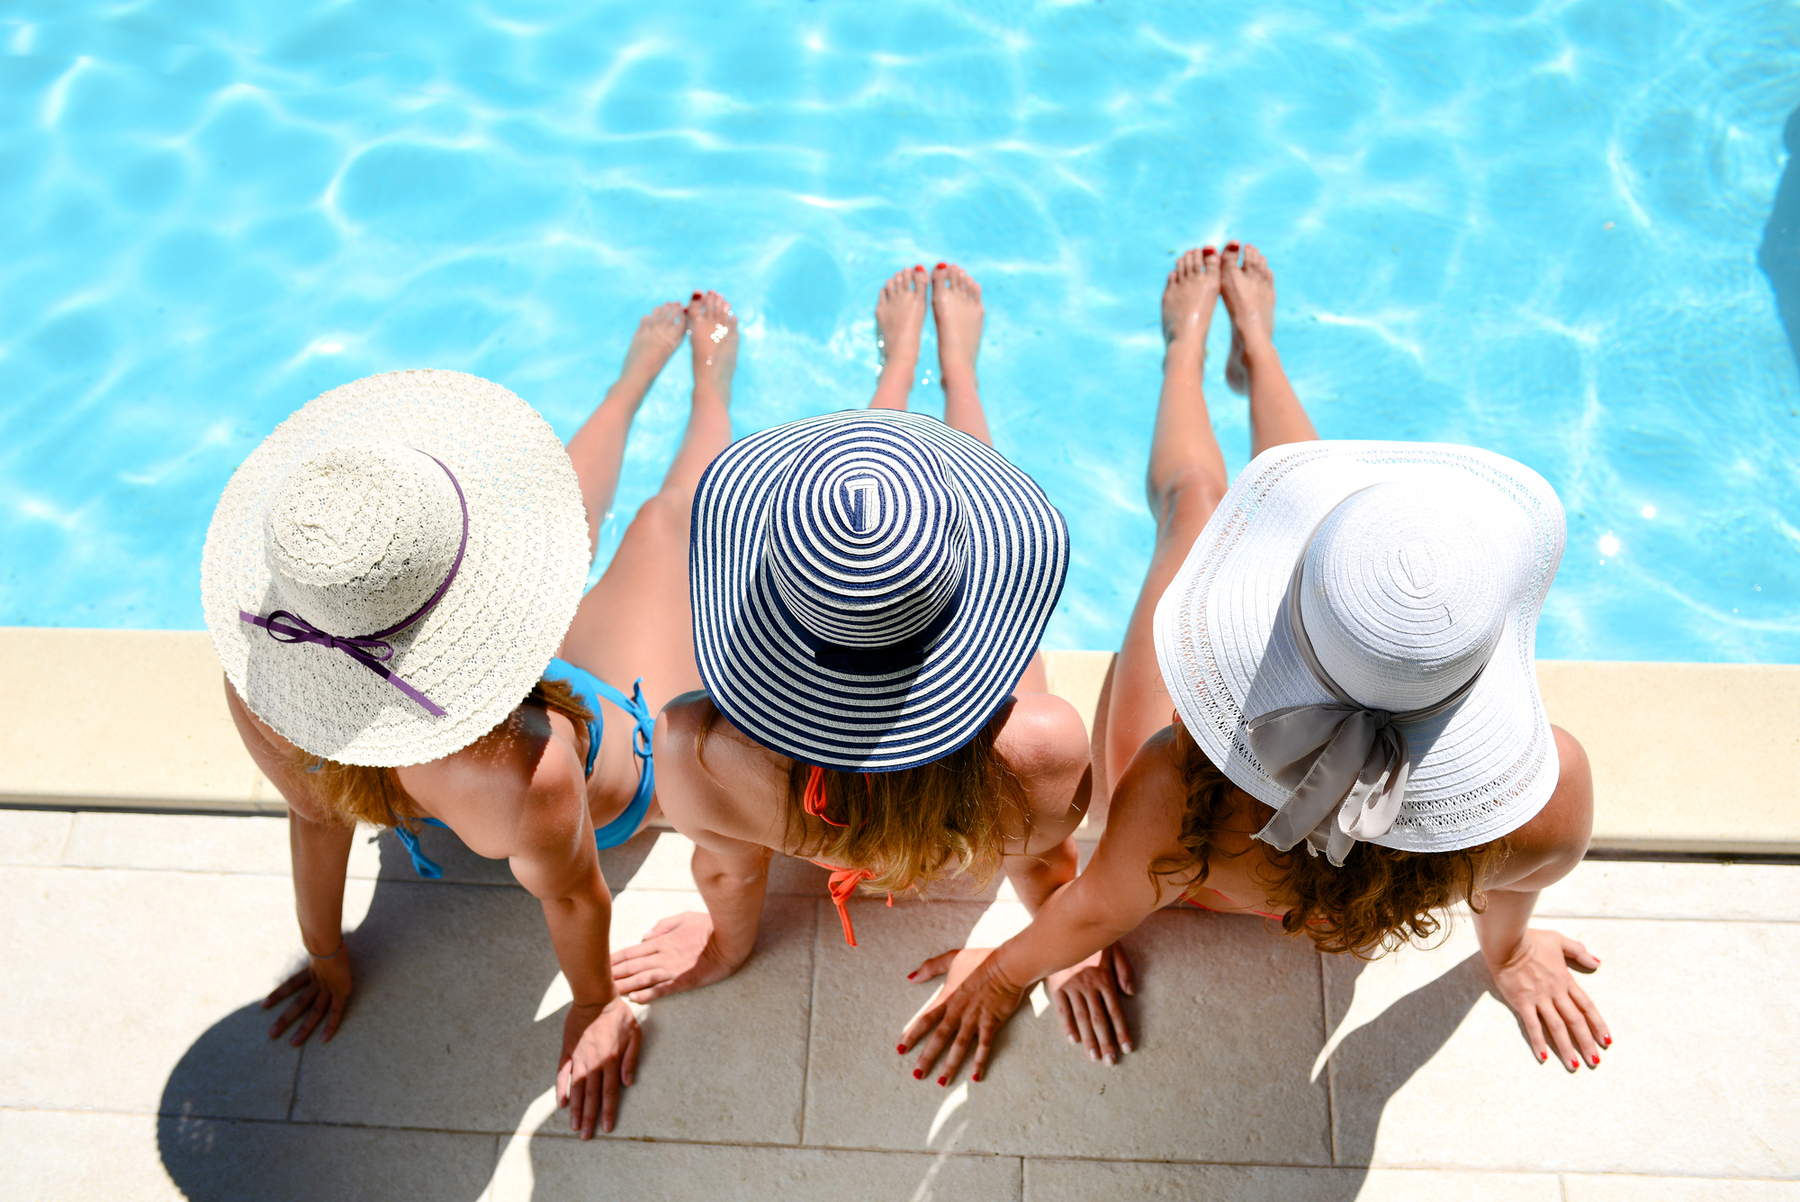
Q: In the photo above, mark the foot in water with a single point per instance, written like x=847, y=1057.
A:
x=1249, y=295
x=658, y=334
x=1187, y=308
x=713, y=332
x=956, y=304
x=899, y=318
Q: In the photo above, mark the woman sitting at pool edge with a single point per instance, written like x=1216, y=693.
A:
x=1360, y=618
x=869, y=592
x=447, y=714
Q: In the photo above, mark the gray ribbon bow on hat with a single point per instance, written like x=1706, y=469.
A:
x=1343, y=761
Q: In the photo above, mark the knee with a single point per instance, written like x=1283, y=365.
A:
x=1184, y=502
x=662, y=518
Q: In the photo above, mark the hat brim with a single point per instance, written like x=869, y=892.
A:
x=765, y=677
x=486, y=642
x=1479, y=770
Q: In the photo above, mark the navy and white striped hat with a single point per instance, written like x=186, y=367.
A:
x=869, y=586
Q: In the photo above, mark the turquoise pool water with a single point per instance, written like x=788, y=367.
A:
x=1543, y=228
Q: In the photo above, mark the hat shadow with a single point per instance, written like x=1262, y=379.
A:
x=1779, y=254
x=224, y=1133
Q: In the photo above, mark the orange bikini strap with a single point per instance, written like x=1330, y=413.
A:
x=814, y=800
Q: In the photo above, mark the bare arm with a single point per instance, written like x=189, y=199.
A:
x=1047, y=745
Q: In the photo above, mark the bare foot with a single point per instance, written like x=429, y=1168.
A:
x=956, y=303
x=658, y=334
x=899, y=317
x=1249, y=294
x=1187, y=308
x=714, y=335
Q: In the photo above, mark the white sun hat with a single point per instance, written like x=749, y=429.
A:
x=1351, y=640
x=869, y=586
x=389, y=573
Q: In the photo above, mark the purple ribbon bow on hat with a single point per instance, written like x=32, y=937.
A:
x=1346, y=763
x=371, y=650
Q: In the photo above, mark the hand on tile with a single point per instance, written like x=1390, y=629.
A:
x=599, y=1058
x=976, y=1000
x=676, y=955
x=320, y=991
x=1554, y=1012
x=1088, y=1005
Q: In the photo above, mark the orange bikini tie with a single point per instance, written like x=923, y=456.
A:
x=843, y=881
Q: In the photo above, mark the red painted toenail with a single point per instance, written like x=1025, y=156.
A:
x=941, y=266
x=918, y=267
x=1231, y=246
x=918, y=1074
x=1206, y=250
x=696, y=296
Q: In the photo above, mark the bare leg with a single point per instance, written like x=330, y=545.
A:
x=1186, y=479
x=598, y=448
x=636, y=621
x=899, y=316
x=956, y=304
x=1276, y=416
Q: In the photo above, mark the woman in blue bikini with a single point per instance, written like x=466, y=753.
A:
x=342, y=524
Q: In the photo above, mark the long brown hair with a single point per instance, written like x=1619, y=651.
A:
x=910, y=827
x=1381, y=898
x=351, y=793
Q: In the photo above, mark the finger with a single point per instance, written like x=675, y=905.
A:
x=314, y=1013
x=1122, y=972
x=933, y=968
x=984, y=1051
x=933, y=1047
x=288, y=988
x=917, y=1029
x=954, y=1056
x=609, y=1097
x=1534, y=1035
x=1591, y=1013
x=333, y=1017
x=1578, y=957
x=293, y=1012
x=628, y=1073
x=650, y=993
x=1585, y=1047
x=1101, y=1024
x=1559, y=1035
x=590, y=1101
x=1115, y=1012
x=643, y=978
x=1065, y=1015
x=563, y=1072
x=1084, y=1027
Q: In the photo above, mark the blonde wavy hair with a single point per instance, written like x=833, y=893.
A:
x=1381, y=898
x=910, y=827
x=352, y=793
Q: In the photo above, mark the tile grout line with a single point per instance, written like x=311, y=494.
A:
x=62, y=853
x=1330, y=1077
x=812, y=1002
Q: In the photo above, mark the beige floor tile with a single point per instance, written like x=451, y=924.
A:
x=34, y=837
x=1084, y=1180
x=554, y=1170
x=1630, y=889
x=1227, y=1020
x=245, y=843
x=64, y=1155
x=459, y=1022
x=123, y=987
x=1430, y=1069
x=1618, y=1187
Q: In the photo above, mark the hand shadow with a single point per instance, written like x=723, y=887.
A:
x=442, y=1034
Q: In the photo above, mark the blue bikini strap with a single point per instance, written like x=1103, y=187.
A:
x=645, y=729
x=423, y=864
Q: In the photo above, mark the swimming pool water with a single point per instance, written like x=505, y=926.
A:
x=1542, y=228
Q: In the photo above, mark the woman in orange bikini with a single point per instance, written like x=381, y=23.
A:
x=1345, y=637
x=869, y=589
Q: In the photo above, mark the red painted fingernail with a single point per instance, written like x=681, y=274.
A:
x=943, y=1080
x=976, y=1077
x=912, y=974
x=901, y=1049
x=918, y=1074
x=1543, y=1056
x=1596, y=1059
x=1574, y=1064
x=1607, y=1041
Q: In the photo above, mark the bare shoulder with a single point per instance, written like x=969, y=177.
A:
x=1549, y=846
x=517, y=788
x=1151, y=796
x=711, y=778
x=1043, y=735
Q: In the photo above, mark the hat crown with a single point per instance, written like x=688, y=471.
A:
x=868, y=538
x=1407, y=587
x=360, y=535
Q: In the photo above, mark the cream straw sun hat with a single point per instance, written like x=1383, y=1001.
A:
x=389, y=573
x=868, y=586
x=1351, y=640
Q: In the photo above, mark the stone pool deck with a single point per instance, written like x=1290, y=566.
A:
x=136, y=945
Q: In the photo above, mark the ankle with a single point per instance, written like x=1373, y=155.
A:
x=957, y=377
